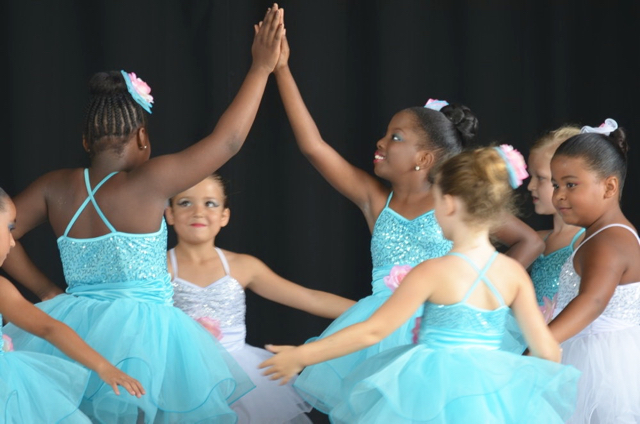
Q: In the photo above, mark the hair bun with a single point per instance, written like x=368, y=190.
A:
x=464, y=120
x=619, y=138
x=107, y=83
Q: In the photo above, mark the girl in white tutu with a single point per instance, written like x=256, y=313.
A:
x=209, y=285
x=37, y=388
x=598, y=310
x=456, y=372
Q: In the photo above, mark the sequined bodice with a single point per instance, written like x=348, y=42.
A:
x=461, y=325
x=624, y=304
x=222, y=300
x=545, y=271
x=400, y=241
x=116, y=265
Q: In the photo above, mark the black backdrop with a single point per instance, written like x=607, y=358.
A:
x=523, y=67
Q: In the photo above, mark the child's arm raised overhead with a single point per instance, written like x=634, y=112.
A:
x=19, y=311
x=601, y=264
x=354, y=183
x=268, y=284
x=416, y=286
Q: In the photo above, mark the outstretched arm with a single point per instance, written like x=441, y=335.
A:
x=18, y=310
x=270, y=285
x=409, y=296
x=355, y=184
x=524, y=244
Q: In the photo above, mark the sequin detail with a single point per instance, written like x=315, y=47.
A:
x=397, y=240
x=545, y=273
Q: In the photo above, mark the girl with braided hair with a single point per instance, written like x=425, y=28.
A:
x=112, y=239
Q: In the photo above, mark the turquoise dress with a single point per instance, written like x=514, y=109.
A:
x=37, y=388
x=457, y=374
x=396, y=241
x=120, y=302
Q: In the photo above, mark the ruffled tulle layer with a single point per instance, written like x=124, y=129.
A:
x=609, y=389
x=415, y=384
x=269, y=402
x=36, y=388
x=188, y=376
x=513, y=340
x=321, y=384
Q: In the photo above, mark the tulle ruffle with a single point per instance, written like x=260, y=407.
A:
x=188, y=376
x=416, y=384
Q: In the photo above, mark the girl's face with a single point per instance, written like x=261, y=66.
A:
x=7, y=224
x=540, y=186
x=198, y=214
x=398, y=152
x=578, y=193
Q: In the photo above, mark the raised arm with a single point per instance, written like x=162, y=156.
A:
x=173, y=173
x=354, y=183
x=270, y=285
x=524, y=244
x=19, y=311
x=409, y=296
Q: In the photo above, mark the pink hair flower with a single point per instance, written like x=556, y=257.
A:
x=548, y=307
x=7, y=343
x=436, y=104
x=516, y=165
x=396, y=275
x=139, y=90
x=212, y=326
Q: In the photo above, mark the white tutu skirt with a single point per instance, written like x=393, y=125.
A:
x=609, y=388
x=269, y=402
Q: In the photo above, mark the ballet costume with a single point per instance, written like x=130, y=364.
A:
x=457, y=374
x=606, y=351
x=223, y=302
x=396, y=242
x=120, y=302
x=545, y=274
x=37, y=388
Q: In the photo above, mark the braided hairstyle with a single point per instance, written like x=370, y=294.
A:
x=447, y=131
x=112, y=114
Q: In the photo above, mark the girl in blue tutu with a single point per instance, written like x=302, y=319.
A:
x=209, y=284
x=37, y=388
x=598, y=311
x=112, y=239
x=456, y=372
x=400, y=216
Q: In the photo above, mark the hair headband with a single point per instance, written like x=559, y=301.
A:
x=139, y=90
x=606, y=128
x=516, y=166
x=436, y=104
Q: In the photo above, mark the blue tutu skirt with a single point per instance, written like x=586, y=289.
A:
x=416, y=384
x=513, y=340
x=36, y=388
x=321, y=384
x=188, y=376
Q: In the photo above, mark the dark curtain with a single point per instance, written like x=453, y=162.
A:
x=522, y=67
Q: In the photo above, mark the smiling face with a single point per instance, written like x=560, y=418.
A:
x=399, y=151
x=579, y=193
x=539, y=167
x=198, y=214
x=7, y=224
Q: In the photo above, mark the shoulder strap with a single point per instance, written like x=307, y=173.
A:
x=225, y=264
x=481, y=276
x=388, y=199
x=576, y=237
x=601, y=230
x=174, y=263
x=547, y=236
x=90, y=198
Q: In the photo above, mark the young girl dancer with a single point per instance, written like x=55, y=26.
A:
x=598, y=310
x=209, y=285
x=404, y=231
x=38, y=388
x=112, y=241
x=562, y=238
x=456, y=373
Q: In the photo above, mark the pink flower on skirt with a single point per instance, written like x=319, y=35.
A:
x=396, y=275
x=549, y=307
x=7, y=343
x=212, y=326
x=416, y=330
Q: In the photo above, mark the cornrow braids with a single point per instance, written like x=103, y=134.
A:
x=112, y=114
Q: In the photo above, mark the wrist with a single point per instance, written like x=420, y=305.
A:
x=262, y=69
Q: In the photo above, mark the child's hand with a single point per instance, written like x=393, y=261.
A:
x=114, y=378
x=268, y=38
x=283, y=60
x=283, y=365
